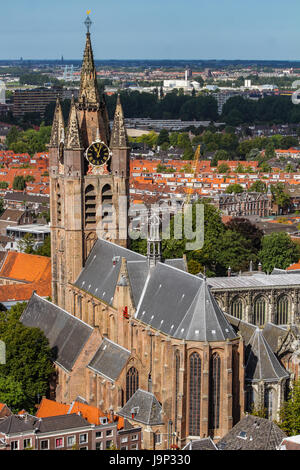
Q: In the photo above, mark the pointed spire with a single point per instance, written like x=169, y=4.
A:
x=89, y=93
x=119, y=134
x=73, y=135
x=204, y=320
x=58, y=126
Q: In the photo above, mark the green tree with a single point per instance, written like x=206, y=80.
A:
x=248, y=230
x=19, y=183
x=290, y=412
x=45, y=248
x=223, y=168
x=26, y=244
x=282, y=199
x=163, y=137
x=28, y=361
x=258, y=187
x=278, y=250
x=234, y=188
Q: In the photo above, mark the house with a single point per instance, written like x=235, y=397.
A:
x=290, y=443
x=253, y=433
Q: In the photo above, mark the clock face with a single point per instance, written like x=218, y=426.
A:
x=98, y=154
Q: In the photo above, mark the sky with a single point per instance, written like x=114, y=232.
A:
x=156, y=29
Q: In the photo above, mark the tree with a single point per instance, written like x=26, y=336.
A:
x=234, y=188
x=28, y=365
x=19, y=183
x=45, y=248
x=163, y=137
x=290, y=412
x=26, y=244
x=248, y=230
x=282, y=199
x=223, y=168
x=258, y=187
x=219, y=155
x=278, y=250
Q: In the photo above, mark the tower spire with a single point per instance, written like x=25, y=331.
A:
x=57, y=126
x=154, y=241
x=119, y=134
x=89, y=93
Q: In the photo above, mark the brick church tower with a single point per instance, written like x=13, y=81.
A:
x=89, y=179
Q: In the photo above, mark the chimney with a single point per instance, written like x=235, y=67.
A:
x=112, y=415
x=259, y=267
x=229, y=272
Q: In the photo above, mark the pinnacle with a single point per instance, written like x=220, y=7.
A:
x=119, y=135
x=73, y=135
x=57, y=126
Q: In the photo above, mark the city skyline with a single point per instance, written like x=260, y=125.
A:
x=133, y=30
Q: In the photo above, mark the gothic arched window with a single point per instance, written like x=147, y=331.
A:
x=282, y=313
x=236, y=308
x=214, y=392
x=132, y=382
x=90, y=205
x=269, y=402
x=106, y=201
x=259, y=311
x=195, y=395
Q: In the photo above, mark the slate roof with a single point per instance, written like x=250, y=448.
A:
x=67, y=334
x=204, y=320
x=246, y=329
x=252, y=433
x=146, y=408
x=255, y=281
x=109, y=360
x=274, y=335
x=15, y=424
x=261, y=362
x=202, y=444
x=100, y=275
x=55, y=423
x=166, y=297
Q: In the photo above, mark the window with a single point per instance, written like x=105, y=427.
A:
x=214, y=393
x=99, y=445
x=71, y=441
x=132, y=382
x=124, y=448
x=109, y=444
x=177, y=366
x=134, y=437
x=44, y=445
x=195, y=394
x=59, y=442
x=282, y=314
x=236, y=309
x=157, y=438
x=259, y=311
x=83, y=438
x=124, y=439
x=134, y=447
x=90, y=205
x=26, y=443
x=14, y=445
x=98, y=434
x=83, y=448
x=269, y=403
x=109, y=432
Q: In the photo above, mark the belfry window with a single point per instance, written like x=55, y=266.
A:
x=282, y=313
x=195, y=395
x=132, y=382
x=259, y=311
x=106, y=202
x=214, y=392
x=236, y=309
x=90, y=205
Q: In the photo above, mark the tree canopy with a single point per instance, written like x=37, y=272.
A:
x=278, y=251
x=28, y=362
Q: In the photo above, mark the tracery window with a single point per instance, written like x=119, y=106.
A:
x=195, y=394
x=282, y=313
x=132, y=382
x=269, y=395
x=58, y=206
x=259, y=311
x=107, y=207
x=236, y=309
x=214, y=392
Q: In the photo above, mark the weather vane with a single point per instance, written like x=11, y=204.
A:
x=88, y=21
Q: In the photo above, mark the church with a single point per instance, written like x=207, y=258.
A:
x=136, y=335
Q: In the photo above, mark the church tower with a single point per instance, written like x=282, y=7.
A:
x=89, y=178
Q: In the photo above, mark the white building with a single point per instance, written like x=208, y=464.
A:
x=2, y=92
